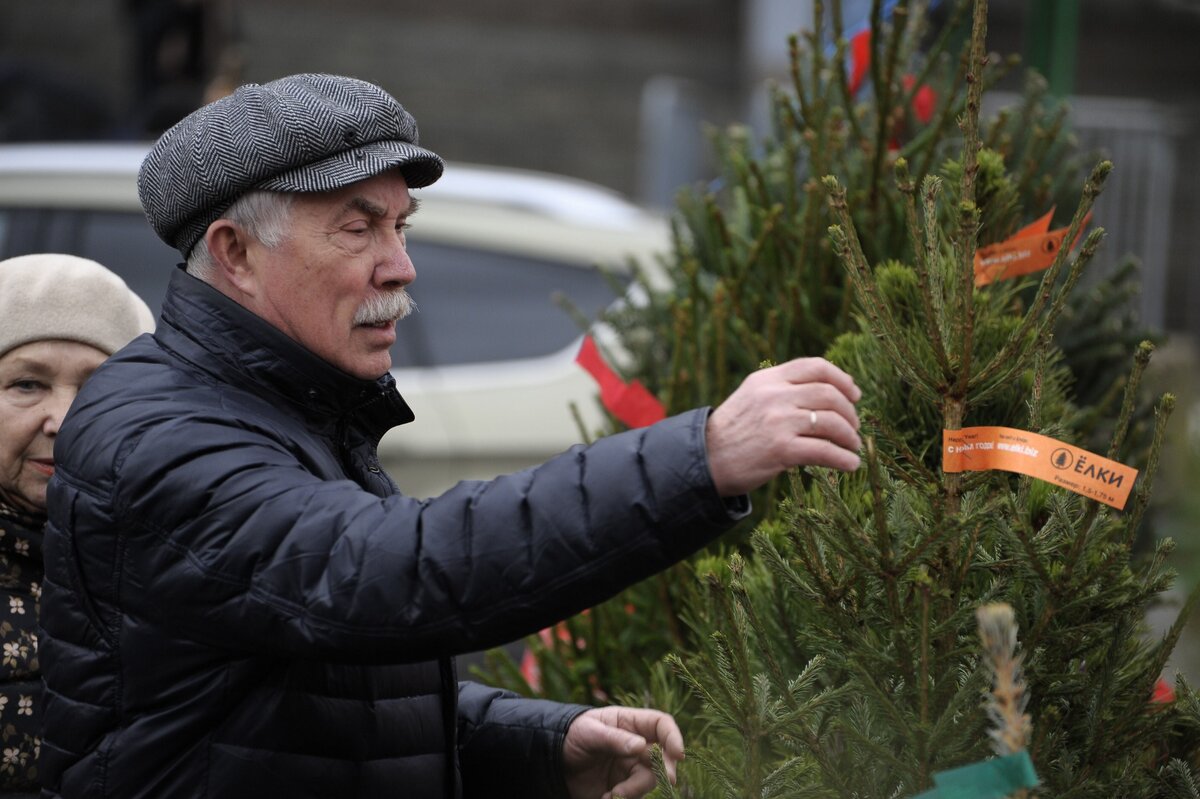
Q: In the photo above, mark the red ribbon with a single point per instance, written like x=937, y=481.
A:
x=860, y=59
x=630, y=402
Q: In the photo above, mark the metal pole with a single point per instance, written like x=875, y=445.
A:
x=1052, y=42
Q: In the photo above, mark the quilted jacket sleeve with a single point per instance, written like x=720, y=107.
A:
x=510, y=740
x=250, y=551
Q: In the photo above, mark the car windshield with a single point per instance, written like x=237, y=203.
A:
x=473, y=305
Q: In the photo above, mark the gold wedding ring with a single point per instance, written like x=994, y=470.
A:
x=812, y=421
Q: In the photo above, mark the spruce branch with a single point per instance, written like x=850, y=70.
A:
x=1080, y=262
x=700, y=687
x=943, y=532
x=665, y=787
x=1039, y=378
x=885, y=700
x=744, y=601
x=998, y=138
x=884, y=79
x=1141, y=493
x=931, y=187
x=955, y=710
x=845, y=240
x=968, y=207
x=915, y=27
x=721, y=313
x=882, y=533
x=938, y=50
x=680, y=377
x=1026, y=535
x=908, y=466
x=964, y=307
x=810, y=556
x=839, y=62
x=1038, y=147
x=1141, y=360
x=977, y=61
x=735, y=650
x=1166, y=646
x=873, y=751
x=923, y=681
x=875, y=66
x=854, y=539
x=924, y=267
x=797, y=78
x=1015, y=351
x=927, y=143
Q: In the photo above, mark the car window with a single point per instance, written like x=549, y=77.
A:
x=125, y=243
x=473, y=305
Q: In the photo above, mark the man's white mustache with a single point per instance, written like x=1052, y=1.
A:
x=385, y=307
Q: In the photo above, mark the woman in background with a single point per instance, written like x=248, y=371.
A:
x=60, y=317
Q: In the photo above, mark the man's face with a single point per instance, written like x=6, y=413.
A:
x=336, y=283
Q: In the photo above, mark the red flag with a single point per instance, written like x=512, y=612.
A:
x=924, y=101
x=1164, y=693
x=860, y=59
x=630, y=402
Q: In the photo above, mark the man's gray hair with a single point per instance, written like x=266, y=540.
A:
x=265, y=215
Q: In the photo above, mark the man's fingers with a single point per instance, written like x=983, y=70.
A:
x=615, y=740
x=807, y=451
x=825, y=397
x=819, y=370
x=670, y=740
x=831, y=427
x=640, y=782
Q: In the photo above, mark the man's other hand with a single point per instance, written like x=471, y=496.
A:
x=799, y=413
x=606, y=753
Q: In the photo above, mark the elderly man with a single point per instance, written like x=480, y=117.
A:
x=239, y=603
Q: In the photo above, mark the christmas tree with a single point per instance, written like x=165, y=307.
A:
x=831, y=652
x=840, y=658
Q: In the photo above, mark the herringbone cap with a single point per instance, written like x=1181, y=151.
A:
x=302, y=133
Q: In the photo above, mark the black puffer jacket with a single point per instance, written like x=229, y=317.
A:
x=238, y=603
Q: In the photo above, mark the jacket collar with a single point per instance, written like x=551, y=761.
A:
x=220, y=336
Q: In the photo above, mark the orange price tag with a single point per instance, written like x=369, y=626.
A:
x=1031, y=249
x=977, y=449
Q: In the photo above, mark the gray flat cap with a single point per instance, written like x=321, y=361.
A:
x=302, y=133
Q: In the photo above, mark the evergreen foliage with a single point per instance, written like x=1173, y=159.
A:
x=831, y=651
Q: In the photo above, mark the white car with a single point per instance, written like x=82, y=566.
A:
x=487, y=362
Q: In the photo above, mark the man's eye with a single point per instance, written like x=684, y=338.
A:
x=26, y=386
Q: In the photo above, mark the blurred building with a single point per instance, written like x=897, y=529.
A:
x=615, y=93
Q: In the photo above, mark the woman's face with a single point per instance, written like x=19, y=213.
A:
x=38, y=381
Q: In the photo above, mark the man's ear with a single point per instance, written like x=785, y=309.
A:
x=228, y=245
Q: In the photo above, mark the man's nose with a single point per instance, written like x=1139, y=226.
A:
x=395, y=269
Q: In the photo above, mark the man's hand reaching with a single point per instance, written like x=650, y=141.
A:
x=799, y=413
x=606, y=753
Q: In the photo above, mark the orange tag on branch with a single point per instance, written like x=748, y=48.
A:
x=977, y=449
x=1031, y=249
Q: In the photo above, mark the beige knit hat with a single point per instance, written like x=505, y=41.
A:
x=52, y=296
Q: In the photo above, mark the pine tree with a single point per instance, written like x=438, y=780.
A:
x=775, y=706
x=839, y=659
